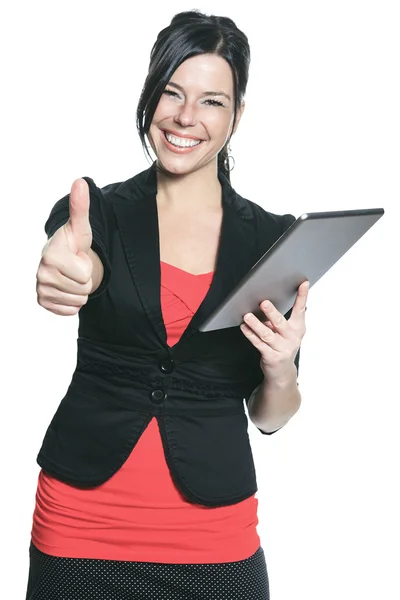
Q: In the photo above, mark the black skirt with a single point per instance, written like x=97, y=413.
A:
x=57, y=578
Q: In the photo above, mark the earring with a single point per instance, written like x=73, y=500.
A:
x=227, y=160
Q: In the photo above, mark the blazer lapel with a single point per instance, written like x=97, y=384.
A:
x=135, y=208
x=236, y=255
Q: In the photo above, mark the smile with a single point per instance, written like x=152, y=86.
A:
x=181, y=142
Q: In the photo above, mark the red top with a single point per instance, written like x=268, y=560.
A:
x=139, y=514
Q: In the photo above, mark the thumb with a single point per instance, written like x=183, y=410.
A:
x=79, y=203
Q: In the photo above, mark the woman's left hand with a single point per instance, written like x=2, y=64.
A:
x=278, y=339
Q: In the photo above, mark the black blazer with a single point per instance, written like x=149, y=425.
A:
x=126, y=373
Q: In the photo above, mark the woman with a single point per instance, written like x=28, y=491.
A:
x=147, y=483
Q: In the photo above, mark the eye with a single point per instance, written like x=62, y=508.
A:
x=170, y=93
x=211, y=102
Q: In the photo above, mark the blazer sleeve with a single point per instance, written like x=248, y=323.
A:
x=59, y=215
x=286, y=221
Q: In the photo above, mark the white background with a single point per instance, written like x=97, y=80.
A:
x=321, y=132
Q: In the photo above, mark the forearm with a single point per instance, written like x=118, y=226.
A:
x=273, y=403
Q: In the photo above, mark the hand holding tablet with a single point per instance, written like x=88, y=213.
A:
x=305, y=252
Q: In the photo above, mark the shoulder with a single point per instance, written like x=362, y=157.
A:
x=267, y=226
x=263, y=218
x=104, y=193
x=270, y=219
x=135, y=187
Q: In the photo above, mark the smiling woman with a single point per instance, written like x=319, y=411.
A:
x=193, y=121
x=147, y=487
x=197, y=79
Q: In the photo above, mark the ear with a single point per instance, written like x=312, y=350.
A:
x=239, y=116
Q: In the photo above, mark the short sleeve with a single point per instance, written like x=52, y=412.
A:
x=59, y=215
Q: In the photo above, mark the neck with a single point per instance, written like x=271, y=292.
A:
x=194, y=191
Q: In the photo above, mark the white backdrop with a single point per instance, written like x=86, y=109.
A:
x=321, y=132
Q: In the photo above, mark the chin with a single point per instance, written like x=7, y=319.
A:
x=176, y=168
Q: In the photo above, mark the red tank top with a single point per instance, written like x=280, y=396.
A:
x=139, y=514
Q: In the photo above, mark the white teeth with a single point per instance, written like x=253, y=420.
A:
x=181, y=142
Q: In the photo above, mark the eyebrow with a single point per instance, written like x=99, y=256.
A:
x=177, y=86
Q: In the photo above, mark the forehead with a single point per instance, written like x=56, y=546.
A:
x=206, y=71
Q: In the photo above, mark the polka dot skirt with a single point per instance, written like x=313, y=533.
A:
x=56, y=578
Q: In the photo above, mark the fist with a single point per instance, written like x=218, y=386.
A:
x=64, y=275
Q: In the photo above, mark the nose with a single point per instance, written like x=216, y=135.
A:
x=186, y=115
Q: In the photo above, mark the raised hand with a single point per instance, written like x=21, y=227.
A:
x=278, y=339
x=64, y=275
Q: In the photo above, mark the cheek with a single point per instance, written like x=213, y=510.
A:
x=157, y=115
x=153, y=136
x=220, y=125
x=162, y=110
x=154, y=130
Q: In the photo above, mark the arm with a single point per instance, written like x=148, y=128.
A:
x=273, y=403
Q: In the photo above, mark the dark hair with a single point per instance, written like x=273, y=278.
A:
x=191, y=33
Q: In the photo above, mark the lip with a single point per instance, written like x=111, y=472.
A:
x=185, y=136
x=176, y=149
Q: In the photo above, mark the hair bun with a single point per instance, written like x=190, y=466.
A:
x=187, y=16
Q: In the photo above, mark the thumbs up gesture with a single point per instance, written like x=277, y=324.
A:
x=64, y=275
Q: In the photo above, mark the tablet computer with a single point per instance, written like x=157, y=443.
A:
x=305, y=251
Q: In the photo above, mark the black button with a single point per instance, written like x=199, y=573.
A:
x=157, y=396
x=167, y=366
